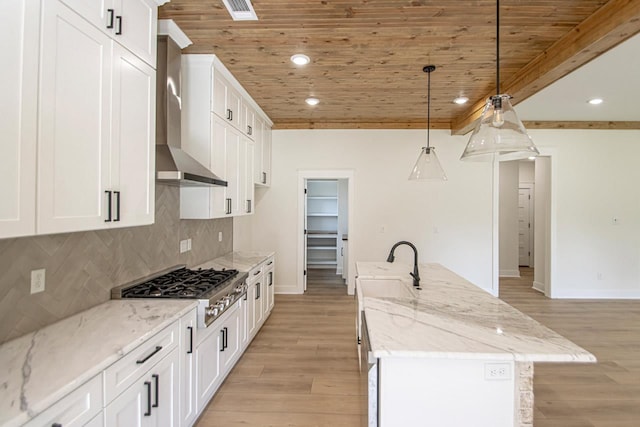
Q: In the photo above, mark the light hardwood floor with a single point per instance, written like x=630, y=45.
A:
x=302, y=367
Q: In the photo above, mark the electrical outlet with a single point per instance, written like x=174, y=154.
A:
x=184, y=246
x=497, y=371
x=37, y=281
x=219, y=236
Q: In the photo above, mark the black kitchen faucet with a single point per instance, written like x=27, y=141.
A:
x=415, y=274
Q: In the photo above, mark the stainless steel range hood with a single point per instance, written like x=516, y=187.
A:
x=173, y=165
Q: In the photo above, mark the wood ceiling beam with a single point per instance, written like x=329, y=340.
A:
x=540, y=124
x=360, y=124
x=610, y=25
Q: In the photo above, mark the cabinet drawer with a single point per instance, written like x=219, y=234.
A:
x=127, y=370
x=255, y=274
x=75, y=409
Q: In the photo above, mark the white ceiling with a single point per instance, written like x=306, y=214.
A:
x=613, y=76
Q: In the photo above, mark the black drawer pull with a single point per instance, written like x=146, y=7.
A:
x=270, y=262
x=258, y=290
x=56, y=425
x=222, y=340
x=190, y=328
x=270, y=278
x=109, y=26
x=226, y=337
x=108, y=193
x=148, y=385
x=158, y=348
x=156, y=378
x=117, y=194
x=264, y=177
x=119, y=21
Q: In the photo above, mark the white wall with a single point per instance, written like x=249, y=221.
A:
x=526, y=171
x=542, y=224
x=445, y=220
x=508, y=220
x=594, y=180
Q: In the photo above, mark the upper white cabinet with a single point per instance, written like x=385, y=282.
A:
x=96, y=129
x=78, y=116
x=18, y=116
x=262, y=153
x=218, y=125
x=132, y=23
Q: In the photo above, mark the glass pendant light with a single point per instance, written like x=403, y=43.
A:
x=499, y=134
x=428, y=166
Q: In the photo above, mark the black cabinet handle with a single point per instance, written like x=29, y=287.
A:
x=270, y=278
x=270, y=262
x=229, y=114
x=108, y=193
x=249, y=130
x=148, y=385
x=226, y=337
x=56, y=425
x=117, y=194
x=156, y=379
x=258, y=290
x=257, y=272
x=222, y=339
x=119, y=21
x=158, y=348
x=110, y=12
x=264, y=177
x=190, y=328
x=229, y=206
x=248, y=206
x=245, y=297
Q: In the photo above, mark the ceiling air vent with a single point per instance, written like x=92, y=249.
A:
x=241, y=10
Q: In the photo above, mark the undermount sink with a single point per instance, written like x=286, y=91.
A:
x=385, y=288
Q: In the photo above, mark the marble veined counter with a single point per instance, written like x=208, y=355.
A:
x=451, y=318
x=241, y=260
x=40, y=368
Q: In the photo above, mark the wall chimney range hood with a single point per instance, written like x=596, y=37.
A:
x=173, y=165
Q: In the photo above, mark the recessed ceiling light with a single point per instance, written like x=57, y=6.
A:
x=300, y=59
x=531, y=158
x=461, y=100
x=312, y=101
x=596, y=101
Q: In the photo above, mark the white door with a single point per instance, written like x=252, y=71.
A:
x=18, y=116
x=74, y=122
x=133, y=139
x=525, y=226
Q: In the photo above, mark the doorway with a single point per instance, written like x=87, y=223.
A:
x=325, y=212
x=525, y=232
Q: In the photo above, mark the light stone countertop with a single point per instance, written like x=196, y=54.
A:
x=452, y=318
x=40, y=368
x=241, y=261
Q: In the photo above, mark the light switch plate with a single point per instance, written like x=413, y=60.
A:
x=219, y=236
x=184, y=246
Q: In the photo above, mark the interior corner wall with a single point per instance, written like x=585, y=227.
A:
x=449, y=222
x=541, y=229
x=508, y=220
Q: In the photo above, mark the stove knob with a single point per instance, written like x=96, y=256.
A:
x=212, y=310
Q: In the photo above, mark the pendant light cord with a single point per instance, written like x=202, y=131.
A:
x=497, y=47
x=428, y=107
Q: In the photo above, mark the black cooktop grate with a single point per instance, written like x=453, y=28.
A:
x=182, y=283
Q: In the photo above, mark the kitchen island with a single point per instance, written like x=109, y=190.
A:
x=450, y=354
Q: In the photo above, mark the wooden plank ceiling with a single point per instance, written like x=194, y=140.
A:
x=367, y=55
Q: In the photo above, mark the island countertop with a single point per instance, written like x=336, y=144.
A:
x=451, y=318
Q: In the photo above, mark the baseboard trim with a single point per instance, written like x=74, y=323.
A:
x=597, y=294
x=509, y=273
x=538, y=286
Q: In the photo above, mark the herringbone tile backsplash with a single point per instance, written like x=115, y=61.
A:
x=81, y=268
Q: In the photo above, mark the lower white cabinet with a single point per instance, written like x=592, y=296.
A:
x=188, y=330
x=150, y=401
x=230, y=336
x=81, y=407
x=207, y=366
x=269, y=286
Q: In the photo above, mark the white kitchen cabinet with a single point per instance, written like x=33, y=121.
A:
x=269, y=268
x=249, y=192
x=78, y=408
x=262, y=154
x=230, y=336
x=208, y=373
x=248, y=120
x=244, y=322
x=151, y=400
x=18, y=116
x=226, y=102
x=187, y=349
x=74, y=123
x=132, y=23
x=133, y=133
x=96, y=128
